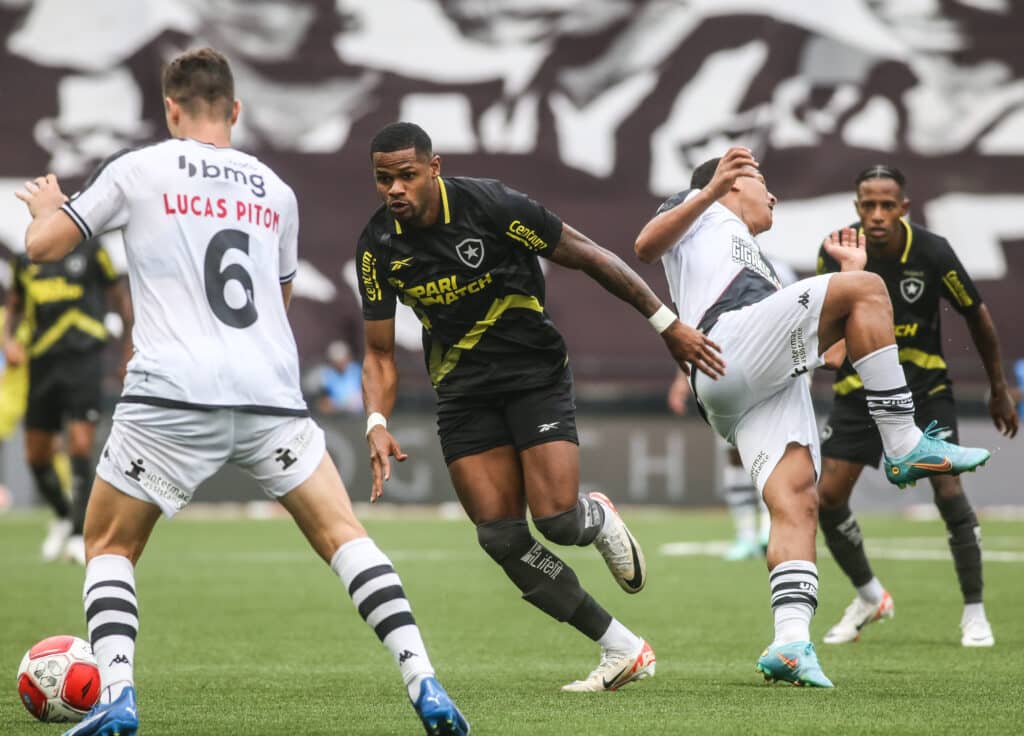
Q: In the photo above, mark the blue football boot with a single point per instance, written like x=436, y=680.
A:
x=437, y=711
x=933, y=456
x=117, y=718
x=796, y=662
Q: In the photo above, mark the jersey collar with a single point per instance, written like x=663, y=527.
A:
x=910, y=239
x=446, y=211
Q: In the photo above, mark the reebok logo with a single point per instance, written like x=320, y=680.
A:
x=399, y=263
x=119, y=659
x=547, y=427
x=804, y=299
x=212, y=171
x=405, y=655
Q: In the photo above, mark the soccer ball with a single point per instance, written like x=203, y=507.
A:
x=58, y=680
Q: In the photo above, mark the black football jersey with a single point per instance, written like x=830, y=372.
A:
x=474, y=281
x=64, y=303
x=927, y=270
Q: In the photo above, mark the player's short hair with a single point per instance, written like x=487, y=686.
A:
x=399, y=136
x=200, y=76
x=882, y=171
x=703, y=174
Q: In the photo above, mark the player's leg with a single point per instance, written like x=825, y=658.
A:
x=39, y=454
x=288, y=458
x=551, y=481
x=81, y=395
x=857, y=307
x=850, y=441
x=743, y=501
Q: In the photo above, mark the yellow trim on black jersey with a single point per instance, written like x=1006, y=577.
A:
x=927, y=361
x=848, y=385
x=73, y=318
x=441, y=366
x=906, y=248
x=444, y=201
x=103, y=258
x=398, y=227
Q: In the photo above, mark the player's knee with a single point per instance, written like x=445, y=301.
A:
x=504, y=538
x=564, y=528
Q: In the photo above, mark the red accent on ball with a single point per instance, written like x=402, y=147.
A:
x=53, y=645
x=81, y=686
x=31, y=696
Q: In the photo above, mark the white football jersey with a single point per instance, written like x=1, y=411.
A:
x=210, y=235
x=717, y=266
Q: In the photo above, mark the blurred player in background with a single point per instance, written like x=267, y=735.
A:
x=772, y=337
x=918, y=268
x=463, y=254
x=56, y=324
x=211, y=236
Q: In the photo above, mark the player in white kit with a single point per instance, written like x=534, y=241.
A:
x=770, y=337
x=211, y=237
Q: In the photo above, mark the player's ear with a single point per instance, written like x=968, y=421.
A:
x=904, y=207
x=235, y=109
x=435, y=165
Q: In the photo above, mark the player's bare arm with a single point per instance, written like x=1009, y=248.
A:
x=380, y=385
x=14, y=351
x=665, y=229
x=1000, y=405
x=678, y=392
x=686, y=344
x=848, y=248
x=51, y=234
x=121, y=301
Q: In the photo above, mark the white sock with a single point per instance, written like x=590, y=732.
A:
x=872, y=591
x=619, y=639
x=972, y=611
x=890, y=402
x=741, y=498
x=112, y=619
x=376, y=591
x=794, y=590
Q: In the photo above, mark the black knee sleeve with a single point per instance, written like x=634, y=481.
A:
x=545, y=581
x=845, y=542
x=577, y=526
x=48, y=485
x=81, y=482
x=964, y=543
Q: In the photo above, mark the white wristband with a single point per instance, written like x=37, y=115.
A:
x=662, y=319
x=376, y=419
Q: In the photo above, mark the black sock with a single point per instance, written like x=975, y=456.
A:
x=48, y=485
x=844, y=540
x=590, y=619
x=964, y=543
x=81, y=485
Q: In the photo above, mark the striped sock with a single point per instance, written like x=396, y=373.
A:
x=794, y=586
x=376, y=591
x=890, y=402
x=112, y=619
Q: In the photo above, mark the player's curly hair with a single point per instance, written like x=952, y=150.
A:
x=200, y=77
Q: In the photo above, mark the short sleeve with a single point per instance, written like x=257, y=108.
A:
x=957, y=286
x=524, y=221
x=378, y=297
x=108, y=273
x=288, y=256
x=101, y=205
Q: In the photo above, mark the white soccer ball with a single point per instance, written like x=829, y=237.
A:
x=58, y=681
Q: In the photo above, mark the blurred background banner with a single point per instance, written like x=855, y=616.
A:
x=597, y=108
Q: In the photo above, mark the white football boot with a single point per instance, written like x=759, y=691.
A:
x=74, y=549
x=859, y=614
x=619, y=548
x=977, y=632
x=56, y=538
x=615, y=670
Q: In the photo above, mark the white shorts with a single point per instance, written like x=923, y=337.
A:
x=161, y=455
x=763, y=402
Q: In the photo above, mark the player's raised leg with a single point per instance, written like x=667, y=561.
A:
x=792, y=500
x=844, y=539
x=321, y=507
x=117, y=527
x=857, y=308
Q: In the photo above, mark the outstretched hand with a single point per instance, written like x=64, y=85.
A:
x=737, y=161
x=847, y=247
x=383, y=446
x=688, y=345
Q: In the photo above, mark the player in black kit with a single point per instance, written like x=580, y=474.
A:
x=918, y=268
x=61, y=307
x=463, y=254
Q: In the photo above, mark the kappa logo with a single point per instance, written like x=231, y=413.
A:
x=804, y=299
x=119, y=659
x=547, y=427
x=911, y=289
x=137, y=470
x=471, y=252
x=405, y=655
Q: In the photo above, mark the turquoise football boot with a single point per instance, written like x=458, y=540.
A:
x=933, y=456
x=795, y=662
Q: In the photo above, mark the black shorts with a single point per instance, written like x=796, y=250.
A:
x=851, y=434
x=469, y=425
x=63, y=387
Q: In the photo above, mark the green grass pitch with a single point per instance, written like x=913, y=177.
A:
x=243, y=631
